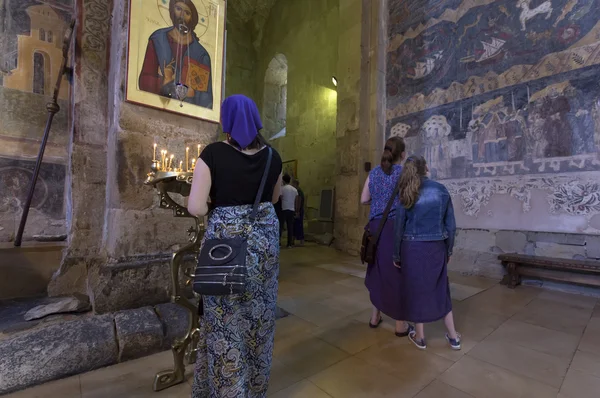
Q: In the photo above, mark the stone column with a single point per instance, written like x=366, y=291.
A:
x=120, y=241
x=86, y=176
x=348, y=157
x=361, y=106
x=139, y=237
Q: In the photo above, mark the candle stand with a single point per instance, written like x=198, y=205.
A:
x=166, y=182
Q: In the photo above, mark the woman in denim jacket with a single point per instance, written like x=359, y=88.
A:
x=425, y=230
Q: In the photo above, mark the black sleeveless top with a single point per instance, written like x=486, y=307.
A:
x=236, y=176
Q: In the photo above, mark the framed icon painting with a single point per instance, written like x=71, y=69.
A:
x=175, y=56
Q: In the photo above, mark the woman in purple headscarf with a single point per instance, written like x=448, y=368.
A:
x=237, y=332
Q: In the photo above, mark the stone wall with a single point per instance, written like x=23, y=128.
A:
x=477, y=250
x=502, y=101
x=274, y=104
x=241, y=56
x=306, y=33
x=118, y=237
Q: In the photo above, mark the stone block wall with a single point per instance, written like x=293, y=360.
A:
x=241, y=56
x=118, y=235
x=477, y=250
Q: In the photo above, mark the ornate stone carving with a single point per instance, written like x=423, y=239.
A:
x=573, y=195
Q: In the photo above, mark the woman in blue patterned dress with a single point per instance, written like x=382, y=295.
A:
x=237, y=332
x=383, y=279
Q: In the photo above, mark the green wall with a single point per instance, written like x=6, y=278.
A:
x=306, y=32
x=240, y=69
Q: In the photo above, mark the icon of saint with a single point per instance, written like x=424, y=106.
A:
x=174, y=56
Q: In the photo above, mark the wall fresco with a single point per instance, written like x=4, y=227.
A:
x=490, y=88
x=501, y=97
x=47, y=215
x=31, y=39
x=470, y=47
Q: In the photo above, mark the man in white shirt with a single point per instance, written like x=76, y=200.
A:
x=289, y=205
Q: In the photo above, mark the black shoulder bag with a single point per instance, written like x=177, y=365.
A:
x=221, y=268
x=368, y=249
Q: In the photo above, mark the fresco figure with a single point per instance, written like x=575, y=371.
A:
x=596, y=117
x=536, y=137
x=556, y=125
x=174, y=55
x=435, y=133
x=582, y=124
x=513, y=129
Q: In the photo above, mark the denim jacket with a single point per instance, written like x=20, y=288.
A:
x=430, y=219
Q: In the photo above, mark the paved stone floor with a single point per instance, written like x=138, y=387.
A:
x=516, y=343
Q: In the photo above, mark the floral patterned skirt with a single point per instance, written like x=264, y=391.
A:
x=237, y=332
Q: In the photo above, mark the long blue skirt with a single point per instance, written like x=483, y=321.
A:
x=299, y=226
x=237, y=332
x=383, y=279
x=424, y=281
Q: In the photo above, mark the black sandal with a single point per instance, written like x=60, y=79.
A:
x=378, y=323
x=409, y=329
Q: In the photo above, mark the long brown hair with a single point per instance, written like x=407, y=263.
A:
x=415, y=168
x=394, y=148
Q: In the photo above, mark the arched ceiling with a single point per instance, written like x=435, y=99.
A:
x=253, y=12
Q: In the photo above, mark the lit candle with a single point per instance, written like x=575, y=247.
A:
x=181, y=165
x=164, y=159
x=193, y=164
x=171, y=161
x=154, y=156
x=198, y=150
x=187, y=158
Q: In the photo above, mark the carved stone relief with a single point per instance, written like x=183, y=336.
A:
x=572, y=195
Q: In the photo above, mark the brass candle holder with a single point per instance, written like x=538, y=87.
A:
x=167, y=181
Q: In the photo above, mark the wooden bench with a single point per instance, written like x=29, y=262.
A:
x=581, y=272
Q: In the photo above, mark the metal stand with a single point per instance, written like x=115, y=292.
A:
x=184, y=350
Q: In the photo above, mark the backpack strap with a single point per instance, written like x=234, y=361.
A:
x=261, y=188
x=386, y=213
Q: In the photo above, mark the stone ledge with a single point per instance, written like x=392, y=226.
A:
x=110, y=285
x=81, y=343
x=139, y=333
x=60, y=350
x=174, y=319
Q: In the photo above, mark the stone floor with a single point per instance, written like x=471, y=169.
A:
x=516, y=343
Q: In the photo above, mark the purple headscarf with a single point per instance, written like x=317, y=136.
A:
x=240, y=119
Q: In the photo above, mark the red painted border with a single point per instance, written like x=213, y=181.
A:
x=167, y=110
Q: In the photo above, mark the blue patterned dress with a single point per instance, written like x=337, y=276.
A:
x=383, y=278
x=237, y=332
